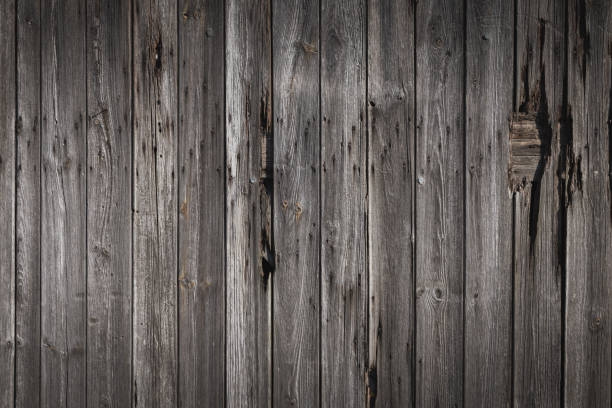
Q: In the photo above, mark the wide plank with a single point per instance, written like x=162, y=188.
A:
x=588, y=302
x=440, y=235
x=155, y=204
x=201, y=279
x=249, y=179
x=28, y=222
x=488, y=275
x=297, y=167
x=109, y=203
x=343, y=203
x=8, y=109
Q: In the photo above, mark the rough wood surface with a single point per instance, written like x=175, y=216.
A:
x=27, y=281
x=250, y=263
x=109, y=203
x=439, y=199
x=201, y=279
x=63, y=210
x=297, y=167
x=155, y=204
x=343, y=203
x=588, y=329
x=390, y=377
x=8, y=110
x=488, y=204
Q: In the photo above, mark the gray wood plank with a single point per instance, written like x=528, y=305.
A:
x=296, y=298
x=109, y=203
x=8, y=109
x=391, y=105
x=201, y=280
x=155, y=204
x=63, y=204
x=343, y=203
x=439, y=202
x=538, y=259
x=27, y=284
x=588, y=359
x=249, y=203
x=488, y=285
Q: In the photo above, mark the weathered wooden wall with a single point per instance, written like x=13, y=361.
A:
x=337, y=203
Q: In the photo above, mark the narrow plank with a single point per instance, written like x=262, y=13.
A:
x=201, y=141
x=588, y=359
x=343, y=203
x=439, y=202
x=63, y=199
x=538, y=258
x=8, y=110
x=391, y=104
x=155, y=204
x=109, y=203
x=296, y=300
x=249, y=202
x=27, y=284
x=488, y=285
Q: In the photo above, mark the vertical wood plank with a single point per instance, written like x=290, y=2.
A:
x=538, y=253
x=391, y=107
x=63, y=198
x=588, y=365
x=488, y=286
x=27, y=285
x=439, y=202
x=109, y=203
x=249, y=189
x=296, y=299
x=8, y=109
x=201, y=280
x=343, y=197
x=155, y=204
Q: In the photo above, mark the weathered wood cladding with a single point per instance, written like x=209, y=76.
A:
x=305, y=203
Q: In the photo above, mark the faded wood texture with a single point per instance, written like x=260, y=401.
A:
x=249, y=180
x=201, y=279
x=588, y=333
x=488, y=207
x=154, y=239
x=109, y=203
x=391, y=377
x=8, y=111
x=305, y=203
x=439, y=200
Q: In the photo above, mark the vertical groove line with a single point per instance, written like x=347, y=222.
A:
x=365, y=37
x=16, y=124
x=273, y=244
x=465, y=135
x=513, y=215
x=414, y=207
x=40, y=203
x=225, y=193
x=86, y=194
x=132, y=104
x=320, y=216
x=178, y=203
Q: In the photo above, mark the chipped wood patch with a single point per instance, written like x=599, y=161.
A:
x=526, y=150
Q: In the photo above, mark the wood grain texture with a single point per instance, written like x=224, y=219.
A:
x=8, y=109
x=63, y=199
x=109, y=203
x=343, y=203
x=588, y=335
x=488, y=280
x=440, y=133
x=27, y=284
x=538, y=254
x=391, y=105
x=296, y=299
x=248, y=203
x=201, y=280
x=155, y=204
